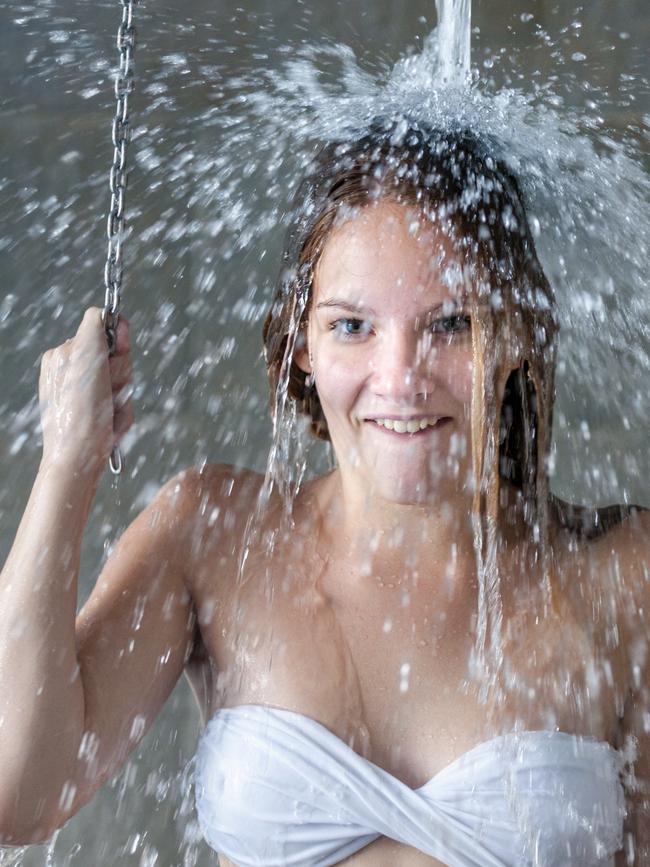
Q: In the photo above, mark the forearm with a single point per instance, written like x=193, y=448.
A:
x=41, y=692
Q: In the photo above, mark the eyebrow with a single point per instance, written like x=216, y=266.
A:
x=354, y=308
x=345, y=305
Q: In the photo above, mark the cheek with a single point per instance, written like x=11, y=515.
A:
x=337, y=380
x=458, y=376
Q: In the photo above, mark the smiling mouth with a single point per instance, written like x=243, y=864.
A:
x=409, y=427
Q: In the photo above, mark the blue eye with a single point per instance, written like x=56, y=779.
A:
x=349, y=327
x=452, y=324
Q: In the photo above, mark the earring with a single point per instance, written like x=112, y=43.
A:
x=309, y=380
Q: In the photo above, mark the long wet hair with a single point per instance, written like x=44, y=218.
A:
x=455, y=179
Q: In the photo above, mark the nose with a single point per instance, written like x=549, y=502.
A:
x=402, y=367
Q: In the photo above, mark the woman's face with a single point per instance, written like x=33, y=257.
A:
x=390, y=348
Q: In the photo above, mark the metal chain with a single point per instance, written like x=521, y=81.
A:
x=121, y=133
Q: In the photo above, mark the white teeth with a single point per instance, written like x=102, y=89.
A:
x=412, y=425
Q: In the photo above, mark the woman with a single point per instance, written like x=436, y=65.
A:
x=420, y=658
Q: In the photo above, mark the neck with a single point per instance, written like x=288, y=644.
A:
x=383, y=539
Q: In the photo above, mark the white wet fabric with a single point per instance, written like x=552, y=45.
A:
x=274, y=787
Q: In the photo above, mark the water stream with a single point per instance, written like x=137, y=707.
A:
x=453, y=38
x=229, y=112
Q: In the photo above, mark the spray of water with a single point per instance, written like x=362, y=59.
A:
x=580, y=194
x=453, y=39
x=230, y=178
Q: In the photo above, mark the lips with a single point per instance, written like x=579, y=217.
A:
x=408, y=427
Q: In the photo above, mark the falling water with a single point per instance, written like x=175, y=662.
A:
x=454, y=41
x=567, y=179
x=228, y=116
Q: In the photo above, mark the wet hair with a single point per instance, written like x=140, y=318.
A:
x=455, y=179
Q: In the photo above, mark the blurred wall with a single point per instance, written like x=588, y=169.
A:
x=201, y=390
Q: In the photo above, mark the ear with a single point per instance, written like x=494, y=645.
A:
x=301, y=353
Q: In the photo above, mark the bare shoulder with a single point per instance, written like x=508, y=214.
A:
x=610, y=548
x=196, y=512
x=621, y=545
x=225, y=487
x=623, y=554
x=222, y=481
x=212, y=504
x=199, y=494
x=614, y=533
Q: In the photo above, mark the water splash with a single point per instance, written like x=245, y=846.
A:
x=228, y=166
x=454, y=41
x=581, y=184
x=580, y=187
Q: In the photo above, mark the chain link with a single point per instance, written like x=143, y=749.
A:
x=120, y=134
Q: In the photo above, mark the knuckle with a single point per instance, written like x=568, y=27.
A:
x=50, y=356
x=92, y=317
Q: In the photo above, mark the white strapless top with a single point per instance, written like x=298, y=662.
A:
x=274, y=787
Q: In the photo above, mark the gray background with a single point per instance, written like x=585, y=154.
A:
x=201, y=390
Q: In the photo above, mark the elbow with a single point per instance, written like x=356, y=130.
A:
x=31, y=813
x=29, y=833
x=26, y=836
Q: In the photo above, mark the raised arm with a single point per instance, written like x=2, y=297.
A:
x=75, y=700
x=134, y=636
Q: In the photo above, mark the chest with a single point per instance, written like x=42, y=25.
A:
x=386, y=668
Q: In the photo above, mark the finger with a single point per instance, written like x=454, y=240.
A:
x=122, y=337
x=121, y=370
x=120, y=366
x=122, y=421
x=91, y=320
x=93, y=324
x=117, y=387
x=91, y=329
x=122, y=396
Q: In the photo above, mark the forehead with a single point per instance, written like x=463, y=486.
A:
x=390, y=253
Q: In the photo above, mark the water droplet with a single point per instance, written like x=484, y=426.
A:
x=66, y=798
x=404, y=674
x=137, y=727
